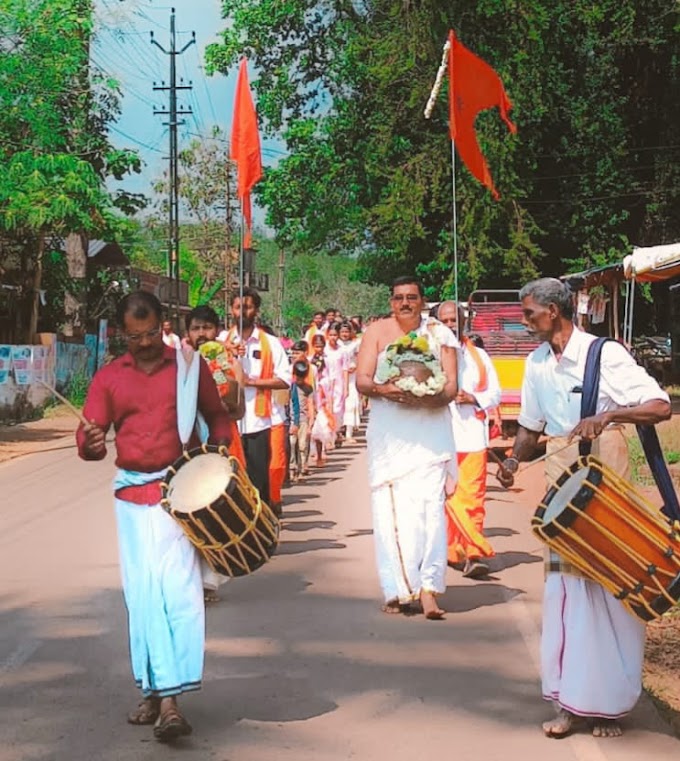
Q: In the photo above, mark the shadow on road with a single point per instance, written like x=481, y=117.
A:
x=499, y=531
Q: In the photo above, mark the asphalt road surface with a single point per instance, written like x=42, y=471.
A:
x=300, y=663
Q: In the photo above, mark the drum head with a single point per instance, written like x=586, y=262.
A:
x=199, y=482
x=569, y=492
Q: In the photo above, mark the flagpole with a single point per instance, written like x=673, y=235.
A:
x=241, y=269
x=455, y=227
x=241, y=272
x=441, y=73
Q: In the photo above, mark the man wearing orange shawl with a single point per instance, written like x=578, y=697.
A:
x=478, y=392
x=202, y=325
x=265, y=368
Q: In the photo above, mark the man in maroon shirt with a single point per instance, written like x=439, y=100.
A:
x=137, y=394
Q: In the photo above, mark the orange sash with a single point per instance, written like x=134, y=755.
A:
x=483, y=381
x=263, y=396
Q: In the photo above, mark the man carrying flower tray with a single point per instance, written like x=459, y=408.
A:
x=407, y=367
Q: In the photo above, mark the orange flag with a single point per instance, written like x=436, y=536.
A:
x=245, y=145
x=473, y=87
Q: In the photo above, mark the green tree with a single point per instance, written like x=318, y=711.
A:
x=47, y=195
x=54, y=116
x=594, y=164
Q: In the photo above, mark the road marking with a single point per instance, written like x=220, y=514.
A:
x=19, y=656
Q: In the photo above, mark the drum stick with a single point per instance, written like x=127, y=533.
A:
x=548, y=455
x=528, y=465
x=65, y=401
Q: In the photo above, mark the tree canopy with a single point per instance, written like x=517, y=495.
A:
x=55, y=152
x=594, y=166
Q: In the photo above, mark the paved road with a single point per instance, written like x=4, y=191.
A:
x=300, y=664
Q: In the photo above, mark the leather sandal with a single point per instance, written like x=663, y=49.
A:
x=171, y=725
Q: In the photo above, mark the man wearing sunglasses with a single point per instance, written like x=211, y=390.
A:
x=137, y=395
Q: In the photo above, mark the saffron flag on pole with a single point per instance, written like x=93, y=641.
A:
x=473, y=87
x=245, y=146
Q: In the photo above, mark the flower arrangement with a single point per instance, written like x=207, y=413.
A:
x=219, y=365
x=410, y=363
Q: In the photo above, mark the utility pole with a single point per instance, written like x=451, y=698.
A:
x=174, y=113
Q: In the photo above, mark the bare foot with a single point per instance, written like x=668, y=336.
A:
x=561, y=725
x=431, y=610
x=606, y=728
x=391, y=606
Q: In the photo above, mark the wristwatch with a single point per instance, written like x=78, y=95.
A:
x=511, y=464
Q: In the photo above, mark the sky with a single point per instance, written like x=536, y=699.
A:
x=123, y=48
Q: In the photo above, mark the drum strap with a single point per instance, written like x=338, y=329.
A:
x=647, y=433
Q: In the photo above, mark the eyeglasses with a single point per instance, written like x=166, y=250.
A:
x=137, y=337
x=412, y=297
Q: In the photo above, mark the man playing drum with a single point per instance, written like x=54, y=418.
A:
x=137, y=395
x=591, y=648
x=410, y=450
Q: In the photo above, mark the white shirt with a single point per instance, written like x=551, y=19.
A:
x=551, y=391
x=172, y=340
x=471, y=433
x=252, y=367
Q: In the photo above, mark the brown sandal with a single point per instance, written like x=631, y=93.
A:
x=171, y=725
x=146, y=713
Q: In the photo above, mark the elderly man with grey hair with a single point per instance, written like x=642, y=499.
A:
x=591, y=647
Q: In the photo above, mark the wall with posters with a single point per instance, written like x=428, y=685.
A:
x=22, y=367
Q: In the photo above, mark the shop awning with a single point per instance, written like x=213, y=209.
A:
x=653, y=263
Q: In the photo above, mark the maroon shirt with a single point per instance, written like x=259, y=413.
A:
x=143, y=411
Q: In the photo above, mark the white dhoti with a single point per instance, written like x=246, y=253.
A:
x=409, y=530
x=163, y=591
x=410, y=453
x=591, y=648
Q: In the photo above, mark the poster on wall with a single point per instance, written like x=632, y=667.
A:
x=5, y=362
x=22, y=364
x=39, y=362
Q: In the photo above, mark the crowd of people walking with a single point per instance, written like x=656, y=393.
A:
x=279, y=409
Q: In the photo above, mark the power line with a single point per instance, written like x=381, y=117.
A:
x=206, y=88
x=140, y=142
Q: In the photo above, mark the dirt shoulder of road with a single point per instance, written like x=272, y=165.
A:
x=661, y=675
x=54, y=431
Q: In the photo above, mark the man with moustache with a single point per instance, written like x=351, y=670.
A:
x=137, y=394
x=591, y=648
x=265, y=368
x=410, y=452
x=202, y=325
x=317, y=326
